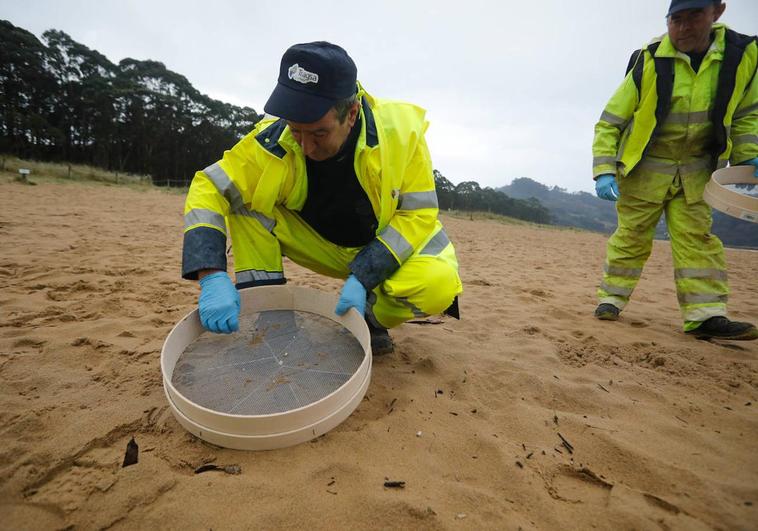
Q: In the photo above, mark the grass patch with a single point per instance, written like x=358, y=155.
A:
x=46, y=171
x=505, y=220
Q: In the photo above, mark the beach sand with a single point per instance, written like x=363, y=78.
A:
x=663, y=429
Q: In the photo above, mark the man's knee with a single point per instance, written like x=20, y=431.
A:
x=440, y=285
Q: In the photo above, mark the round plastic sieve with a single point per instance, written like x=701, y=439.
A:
x=294, y=371
x=719, y=194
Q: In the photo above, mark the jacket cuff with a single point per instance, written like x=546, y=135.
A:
x=204, y=248
x=373, y=264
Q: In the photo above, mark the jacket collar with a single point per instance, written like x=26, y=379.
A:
x=370, y=134
x=270, y=138
x=715, y=52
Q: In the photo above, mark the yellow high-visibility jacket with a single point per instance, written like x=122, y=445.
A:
x=627, y=123
x=266, y=169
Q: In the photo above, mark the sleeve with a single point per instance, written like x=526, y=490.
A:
x=410, y=226
x=613, y=121
x=744, y=133
x=215, y=193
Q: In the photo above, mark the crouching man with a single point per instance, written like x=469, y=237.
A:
x=341, y=183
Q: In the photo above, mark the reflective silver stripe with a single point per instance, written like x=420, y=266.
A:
x=686, y=118
x=417, y=200
x=747, y=110
x=436, y=244
x=412, y=307
x=701, y=298
x=253, y=275
x=628, y=272
x=266, y=221
x=703, y=313
x=744, y=139
x=597, y=161
x=659, y=167
x=615, y=290
x=203, y=215
x=613, y=119
x=396, y=242
x=691, y=272
x=226, y=187
x=698, y=165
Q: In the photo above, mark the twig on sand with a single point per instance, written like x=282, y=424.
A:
x=566, y=444
x=427, y=321
x=228, y=469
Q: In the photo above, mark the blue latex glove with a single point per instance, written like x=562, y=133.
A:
x=353, y=295
x=752, y=162
x=219, y=303
x=606, y=187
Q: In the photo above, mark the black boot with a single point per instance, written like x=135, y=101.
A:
x=720, y=327
x=607, y=312
x=381, y=342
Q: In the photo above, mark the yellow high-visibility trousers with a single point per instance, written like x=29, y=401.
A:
x=425, y=284
x=699, y=263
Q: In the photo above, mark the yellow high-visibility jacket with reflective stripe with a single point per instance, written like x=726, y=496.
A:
x=628, y=120
x=267, y=169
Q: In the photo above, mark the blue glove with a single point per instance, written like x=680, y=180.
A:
x=219, y=303
x=353, y=295
x=606, y=187
x=752, y=162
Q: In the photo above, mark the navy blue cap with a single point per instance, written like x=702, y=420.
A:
x=312, y=78
x=681, y=5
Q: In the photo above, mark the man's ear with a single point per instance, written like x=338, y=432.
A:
x=352, y=114
x=720, y=8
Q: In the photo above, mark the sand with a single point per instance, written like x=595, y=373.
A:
x=469, y=414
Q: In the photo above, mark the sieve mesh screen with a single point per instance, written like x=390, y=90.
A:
x=278, y=361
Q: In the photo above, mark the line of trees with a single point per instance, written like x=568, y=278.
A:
x=61, y=101
x=470, y=197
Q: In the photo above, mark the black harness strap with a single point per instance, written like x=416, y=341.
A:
x=736, y=43
x=636, y=62
x=664, y=87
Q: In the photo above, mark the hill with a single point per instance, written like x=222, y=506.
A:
x=586, y=211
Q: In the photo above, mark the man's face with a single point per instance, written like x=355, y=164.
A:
x=323, y=139
x=690, y=29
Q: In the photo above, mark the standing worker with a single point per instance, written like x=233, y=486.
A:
x=342, y=184
x=688, y=105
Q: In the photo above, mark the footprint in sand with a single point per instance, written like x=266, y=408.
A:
x=578, y=485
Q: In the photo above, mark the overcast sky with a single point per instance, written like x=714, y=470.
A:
x=512, y=89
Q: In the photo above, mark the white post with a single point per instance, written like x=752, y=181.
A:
x=23, y=172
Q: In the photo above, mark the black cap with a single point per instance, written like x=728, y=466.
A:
x=312, y=78
x=681, y=5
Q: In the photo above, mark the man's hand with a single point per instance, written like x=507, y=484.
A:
x=752, y=162
x=606, y=187
x=219, y=303
x=353, y=295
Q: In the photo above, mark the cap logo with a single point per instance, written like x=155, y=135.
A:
x=301, y=75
